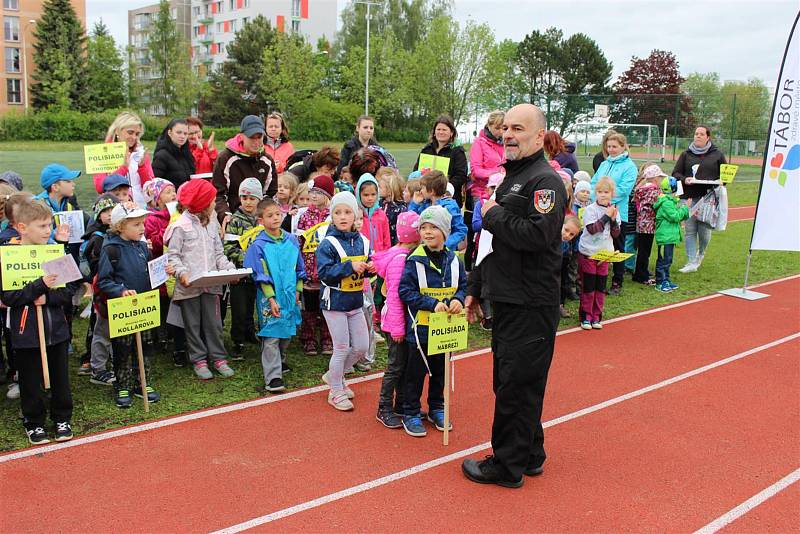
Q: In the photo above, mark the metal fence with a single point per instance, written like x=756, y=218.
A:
x=662, y=126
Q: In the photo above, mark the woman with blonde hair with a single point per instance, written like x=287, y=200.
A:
x=129, y=129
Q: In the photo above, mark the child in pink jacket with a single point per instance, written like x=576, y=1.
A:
x=389, y=265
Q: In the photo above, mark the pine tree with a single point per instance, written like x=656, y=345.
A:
x=104, y=71
x=60, y=59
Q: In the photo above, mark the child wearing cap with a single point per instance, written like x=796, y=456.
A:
x=97, y=337
x=195, y=247
x=342, y=266
x=433, y=280
x=669, y=215
x=311, y=228
x=389, y=265
x=117, y=185
x=243, y=294
x=122, y=272
x=645, y=195
x=33, y=222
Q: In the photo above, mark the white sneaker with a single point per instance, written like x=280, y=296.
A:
x=690, y=267
x=13, y=391
x=347, y=390
x=699, y=259
x=340, y=402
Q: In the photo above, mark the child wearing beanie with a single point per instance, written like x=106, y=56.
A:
x=389, y=265
x=311, y=228
x=195, y=248
x=342, y=267
x=433, y=280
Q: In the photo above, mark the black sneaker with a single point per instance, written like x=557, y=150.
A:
x=123, y=398
x=152, y=394
x=389, y=419
x=488, y=472
x=486, y=324
x=285, y=368
x=103, y=378
x=63, y=431
x=616, y=290
x=534, y=471
x=275, y=385
x=238, y=352
x=179, y=358
x=37, y=436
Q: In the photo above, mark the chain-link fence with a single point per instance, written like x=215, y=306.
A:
x=662, y=126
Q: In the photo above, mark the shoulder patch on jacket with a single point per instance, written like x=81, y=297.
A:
x=544, y=200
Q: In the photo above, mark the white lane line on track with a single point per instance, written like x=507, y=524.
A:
x=185, y=418
x=735, y=513
x=405, y=473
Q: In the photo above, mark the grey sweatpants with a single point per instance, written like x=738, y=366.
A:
x=273, y=354
x=203, y=327
x=101, y=344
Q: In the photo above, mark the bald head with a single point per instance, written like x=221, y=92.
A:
x=524, y=127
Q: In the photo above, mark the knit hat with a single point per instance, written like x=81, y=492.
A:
x=322, y=183
x=437, y=216
x=415, y=175
x=153, y=188
x=582, y=176
x=104, y=202
x=126, y=210
x=669, y=185
x=408, y=227
x=13, y=179
x=251, y=187
x=113, y=181
x=55, y=172
x=653, y=171
x=495, y=179
x=583, y=186
x=345, y=198
x=196, y=195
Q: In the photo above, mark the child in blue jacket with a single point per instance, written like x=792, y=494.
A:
x=434, y=188
x=433, y=281
x=342, y=266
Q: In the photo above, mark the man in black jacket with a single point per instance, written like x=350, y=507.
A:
x=521, y=279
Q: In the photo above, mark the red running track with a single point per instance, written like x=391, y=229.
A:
x=220, y=471
x=741, y=213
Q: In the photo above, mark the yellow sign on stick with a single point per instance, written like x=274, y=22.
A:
x=128, y=315
x=434, y=163
x=727, y=172
x=22, y=264
x=104, y=157
x=447, y=332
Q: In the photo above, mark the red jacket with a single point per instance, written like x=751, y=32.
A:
x=155, y=224
x=376, y=229
x=145, y=174
x=281, y=154
x=203, y=157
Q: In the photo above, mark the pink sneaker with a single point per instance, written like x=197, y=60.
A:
x=223, y=368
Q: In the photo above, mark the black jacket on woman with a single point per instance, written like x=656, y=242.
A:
x=708, y=170
x=456, y=172
x=348, y=149
x=171, y=162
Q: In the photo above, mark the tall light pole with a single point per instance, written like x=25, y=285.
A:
x=366, y=84
x=25, y=63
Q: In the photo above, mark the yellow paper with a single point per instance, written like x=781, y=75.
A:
x=310, y=237
x=354, y=282
x=439, y=293
x=105, y=157
x=436, y=163
x=128, y=315
x=611, y=257
x=22, y=264
x=727, y=172
x=447, y=333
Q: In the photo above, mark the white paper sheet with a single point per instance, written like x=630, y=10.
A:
x=157, y=269
x=75, y=221
x=65, y=269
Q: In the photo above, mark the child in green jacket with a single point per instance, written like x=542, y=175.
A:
x=669, y=214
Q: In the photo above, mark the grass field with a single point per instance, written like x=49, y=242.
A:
x=181, y=392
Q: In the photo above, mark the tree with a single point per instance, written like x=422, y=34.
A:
x=289, y=75
x=105, y=85
x=748, y=117
x=705, y=98
x=59, y=55
x=174, y=88
x=133, y=87
x=539, y=56
x=502, y=84
x=233, y=89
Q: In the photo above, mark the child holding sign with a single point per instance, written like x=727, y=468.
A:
x=342, y=267
x=122, y=272
x=601, y=224
x=33, y=221
x=433, y=281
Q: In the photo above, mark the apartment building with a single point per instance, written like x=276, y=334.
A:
x=19, y=23
x=140, y=22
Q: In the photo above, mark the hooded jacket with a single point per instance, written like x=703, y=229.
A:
x=485, y=157
x=567, y=159
x=172, y=162
x=240, y=223
x=154, y=227
x=332, y=269
x=204, y=157
x=457, y=171
x=130, y=272
x=708, y=170
x=623, y=171
x=458, y=229
x=376, y=224
x=668, y=219
x=389, y=265
x=233, y=166
x=412, y=296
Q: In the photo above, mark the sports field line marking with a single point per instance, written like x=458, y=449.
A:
x=405, y=473
x=735, y=513
x=185, y=418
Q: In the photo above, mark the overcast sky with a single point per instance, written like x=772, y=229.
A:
x=738, y=39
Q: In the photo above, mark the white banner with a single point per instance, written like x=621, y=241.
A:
x=777, y=223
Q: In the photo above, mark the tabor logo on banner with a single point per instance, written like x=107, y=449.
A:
x=781, y=165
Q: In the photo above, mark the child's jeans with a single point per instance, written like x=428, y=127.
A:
x=243, y=302
x=415, y=380
x=664, y=262
x=350, y=343
x=273, y=355
x=391, y=397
